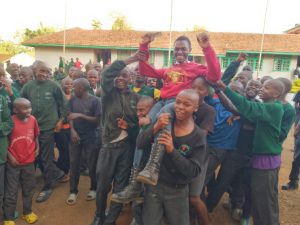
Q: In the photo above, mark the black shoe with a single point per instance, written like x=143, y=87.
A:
x=97, y=221
x=131, y=192
x=290, y=186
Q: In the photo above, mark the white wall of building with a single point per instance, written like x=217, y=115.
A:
x=51, y=55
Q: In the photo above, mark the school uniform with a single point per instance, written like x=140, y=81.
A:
x=115, y=158
x=266, y=156
x=48, y=106
x=6, y=126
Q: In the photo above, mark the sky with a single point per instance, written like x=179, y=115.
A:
x=152, y=15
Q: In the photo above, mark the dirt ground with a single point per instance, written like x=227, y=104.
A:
x=56, y=212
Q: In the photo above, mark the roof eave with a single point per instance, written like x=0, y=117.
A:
x=93, y=47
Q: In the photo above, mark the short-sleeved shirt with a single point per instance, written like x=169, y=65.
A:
x=205, y=117
x=22, y=139
x=89, y=106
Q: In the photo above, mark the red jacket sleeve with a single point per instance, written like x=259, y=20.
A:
x=213, y=65
x=146, y=69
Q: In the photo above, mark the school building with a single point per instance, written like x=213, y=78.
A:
x=280, y=55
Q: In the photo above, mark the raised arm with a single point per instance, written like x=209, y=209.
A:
x=144, y=67
x=213, y=72
x=232, y=69
x=109, y=74
x=227, y=103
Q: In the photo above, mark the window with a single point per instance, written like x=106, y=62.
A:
x=226, y=60
x=152, y=57
x=123, y=54
x=282, y=63
x=166, y=56
x=252, y=60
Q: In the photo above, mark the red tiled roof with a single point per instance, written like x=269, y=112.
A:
x=222, y=42
x=5, y=57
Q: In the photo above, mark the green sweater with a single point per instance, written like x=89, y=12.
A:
x=267, y=117
x=289, y=116
x=48, y=102
x=6, y=126
x=10, y=99
x=117, y=104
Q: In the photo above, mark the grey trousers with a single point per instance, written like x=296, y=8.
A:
x=91, y=152
x=113, y=168
x=24, y=175
x=264, y=195
x=173, y=202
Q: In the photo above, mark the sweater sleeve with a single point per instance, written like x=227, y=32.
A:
x=213, y=65
x=288, y=119
x=189, y=167
x=230, y=72
x=6, y=123
x=62, y=103
x=146, y=69
x=109, y=74
x=252, y=110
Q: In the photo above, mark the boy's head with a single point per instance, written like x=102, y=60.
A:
x=201, y=86
x=81, y=87
x=237, y=87
x=41, y=71
x=88, y=67
x=144, y=106
x=97, y=66
x=287, y=86
x=122, y=80
x=71, y=72
x=22, y=108
x=78, y=74
x=151, y=82
x=92, y=76
x=244, y=77
x=26, y=74
x=265, y=78
x=186, y=103
x=252, y=89
x=67, y=85
x=139, y=79
x=13, y=69
x=247, y=68
x=182, y=48
x=271, y=90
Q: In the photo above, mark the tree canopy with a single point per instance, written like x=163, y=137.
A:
x=96, y=25
x=120, y=23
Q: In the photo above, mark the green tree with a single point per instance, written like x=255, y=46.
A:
x=199, y=28
x=96, y=25
x=28, y=34
x=10, y=48
x=120, y=22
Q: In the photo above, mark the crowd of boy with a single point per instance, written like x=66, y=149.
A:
x=157, y=148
